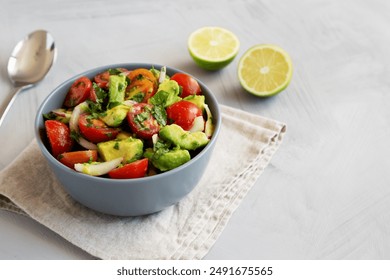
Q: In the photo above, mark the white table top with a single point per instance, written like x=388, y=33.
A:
x=326, y=193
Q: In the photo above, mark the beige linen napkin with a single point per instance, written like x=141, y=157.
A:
x=186, y=230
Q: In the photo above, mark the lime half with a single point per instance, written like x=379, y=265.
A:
x=213, y=48
x=265, y=70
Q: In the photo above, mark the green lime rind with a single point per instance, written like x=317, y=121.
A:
x=211, y=65
x=266, y=94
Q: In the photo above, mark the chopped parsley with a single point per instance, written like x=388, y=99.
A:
x=75, y=135
x=138, y=97
x=159, y=113
x=116, y=145
x=114, y=71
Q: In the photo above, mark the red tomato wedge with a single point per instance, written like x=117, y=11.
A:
x=71, y=158
x=96, y=130
x=143, y=86
x=183, y=113
x=102, y=79
x=58, y=134
x=141, y=120
x=136, y=169
x=142, y=73
x=78, y=92
x=189, y=84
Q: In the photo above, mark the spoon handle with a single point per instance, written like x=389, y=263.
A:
x=15, y=93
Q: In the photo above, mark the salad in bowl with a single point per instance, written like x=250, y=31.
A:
x=126, y=124
x=129, y=139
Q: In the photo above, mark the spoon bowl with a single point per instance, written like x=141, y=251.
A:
x=29, y=63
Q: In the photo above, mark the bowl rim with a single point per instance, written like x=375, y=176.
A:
x=132, y=65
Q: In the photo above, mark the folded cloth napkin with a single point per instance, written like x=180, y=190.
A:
x=186, y=230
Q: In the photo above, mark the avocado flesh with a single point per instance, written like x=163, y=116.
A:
x=167, y=94
x=168, y=160
x=182, y=138
x=115, y=116
x=170, y=86
x=198, y=100
x=130, y=149
x=116, y=90
x=123, y=135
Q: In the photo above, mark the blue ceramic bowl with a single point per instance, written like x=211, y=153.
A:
x=127, y=197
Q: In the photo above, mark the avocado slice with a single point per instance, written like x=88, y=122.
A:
x=116, y=115
x=123, y=135
x=198, y=100
x=169, y=159
x=116, y=90
x=170, y=86
x=182, y=138
x=167, y=94
x=130, y=149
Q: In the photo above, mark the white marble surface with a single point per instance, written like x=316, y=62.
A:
x=326, y=194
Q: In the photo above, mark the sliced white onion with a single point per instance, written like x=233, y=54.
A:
x=209, y=127
x=74, y=118
x=129, y=103
x=154, y=138
x=198, y=124
x=74, y=126
x=86, y=144
x=98, y=169
x=62, y=113
x=163, y=73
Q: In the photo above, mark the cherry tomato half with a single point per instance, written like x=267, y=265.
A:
x=102, y=79
x=78, y=92
x=183, y=113
x=96, y=130
x=58, y=134
x=71, y=158
x=189, y=84
x=142, y=73
x=141, y=120
x=136, y=169
x=143, y=86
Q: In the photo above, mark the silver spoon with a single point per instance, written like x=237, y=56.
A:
x=29, y=63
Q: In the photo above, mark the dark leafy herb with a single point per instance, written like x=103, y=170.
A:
x=116, y=145
x=101, y=94
x=75, y=135
x=164, y=98
x=140, y=118
x=97, y=108
x=114, y=71
x=160, y=114
x=160, y=147
x=128, y=81
x=138, y=97
x=49, y=116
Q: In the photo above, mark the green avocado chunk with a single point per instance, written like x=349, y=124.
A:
x=182, y=138
x=116, y=115
x=130, y=149
x=170, y=86
x=116, y=90
x=167, y=94
x=168, y=160
x=123, y=135
x=198, y=100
